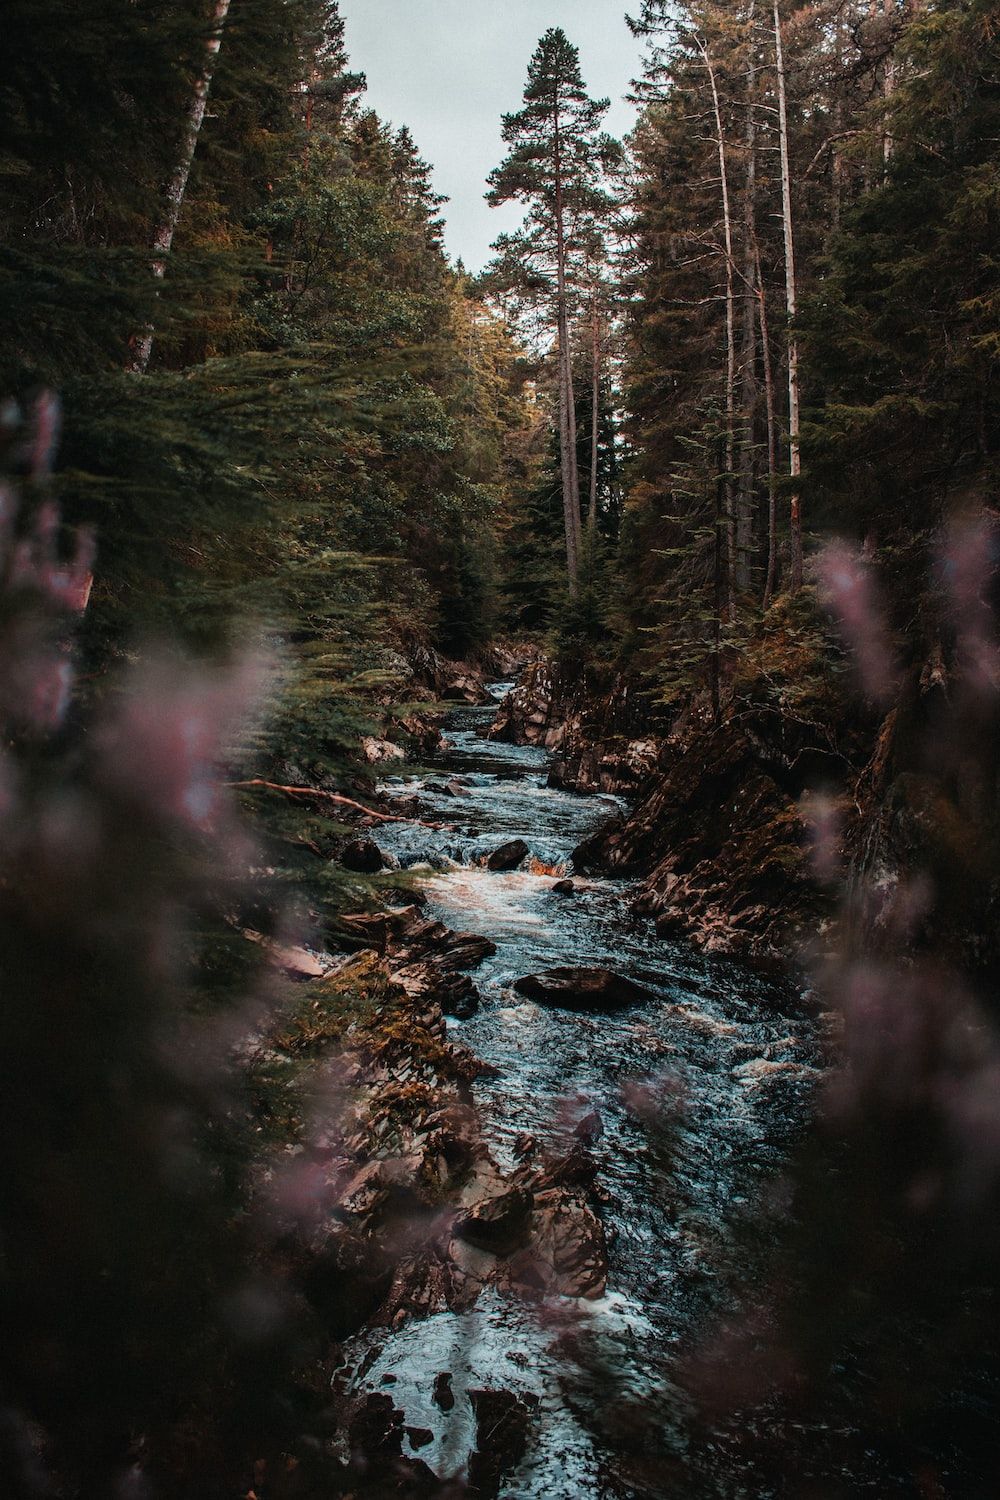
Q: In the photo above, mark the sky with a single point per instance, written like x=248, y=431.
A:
x=450, y=68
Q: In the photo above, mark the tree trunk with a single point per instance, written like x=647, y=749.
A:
x=567, y=409
x=163, y=237
x=727, y=225
x=836, y=158
x=791, y=308
x=595, y=392
x=771, y=580
x=574, y=454
x=889, y=79
x=748, y=393
x=715, y=666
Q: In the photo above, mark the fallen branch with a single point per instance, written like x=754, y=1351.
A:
x=317, y=794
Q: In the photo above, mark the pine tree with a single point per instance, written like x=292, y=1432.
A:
x=902, y=332
x=555, y=167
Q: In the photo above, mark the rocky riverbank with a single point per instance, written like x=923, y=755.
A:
x=725, y=809
x=391, y=1202
x=798, y=805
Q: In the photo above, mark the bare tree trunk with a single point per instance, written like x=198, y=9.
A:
x=574, y=457
x=715, y=665
x=836, y=158
x=595, y=392
x=727, y=224
x=748, y=392
x=889, y=78
x=163, y=237
x=791, y=308
x=772, y=440
x=567, y=405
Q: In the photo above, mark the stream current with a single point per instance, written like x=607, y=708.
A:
x=700, y=1092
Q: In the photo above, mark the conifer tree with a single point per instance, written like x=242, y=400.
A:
x=555, y=167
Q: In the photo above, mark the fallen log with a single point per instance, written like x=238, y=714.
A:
x=322, y=796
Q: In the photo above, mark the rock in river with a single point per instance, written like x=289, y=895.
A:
x=500, y=1224
x=582, y=989
x=508, y=856
x=363, y=856
x=502, y=1423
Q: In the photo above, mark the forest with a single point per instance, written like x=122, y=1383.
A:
x=500, y=896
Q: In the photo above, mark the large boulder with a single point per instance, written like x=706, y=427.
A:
x=567, y=1255
x=502, y=1424
x=377, y=752
x=499, y=1224
x=466, y=688
x=582, y=989
x=409, y=937
x=508, y=856
x=363, y=856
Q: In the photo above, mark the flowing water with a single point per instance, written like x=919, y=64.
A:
x=699, y=1091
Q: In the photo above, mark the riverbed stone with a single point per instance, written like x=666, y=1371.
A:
x=582, y=989
x=500, y=1224
x=508, y=856
x=465, y=688
x=502, y=1423
x=363, y=856
x=443, y=1396
x=590, y=1128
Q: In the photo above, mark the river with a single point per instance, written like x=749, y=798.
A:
x=699, y=1090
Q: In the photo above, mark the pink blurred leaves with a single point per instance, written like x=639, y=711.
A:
x=847, y=586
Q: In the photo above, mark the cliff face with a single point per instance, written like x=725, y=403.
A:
x=718, y=831
x=719, y=844
x=598, y=727
x=804, y=804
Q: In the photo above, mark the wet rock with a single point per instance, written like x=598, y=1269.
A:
x=590, y=1128
x=613, y=765
x=407, y=806
x=379, y=752
x=419, y=1436
x=457, y=788
x=465, y=689
x=443, y=1396
x=582, y=989
x=595, y=853
x=719, y=835
x=409, y=937
x=364, y=1193
x=568, y=1246
x=424, y=733
x=523, y=717
x=502, y=1423
x=672, y=922
x=499, y=1225
x=298, y=963
x=564, y=888
x=362, y=856
x=422, y=1282
x=508, y=856
x=576, y=1170
x=456, y=994
x=376, y=1429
